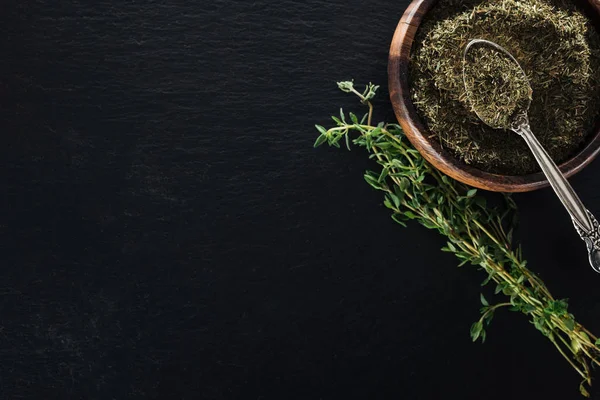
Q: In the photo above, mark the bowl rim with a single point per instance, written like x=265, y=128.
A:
x=432, y=151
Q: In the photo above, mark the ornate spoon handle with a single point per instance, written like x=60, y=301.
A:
x=585, y=223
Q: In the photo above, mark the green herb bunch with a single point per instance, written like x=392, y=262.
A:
x=477, y=234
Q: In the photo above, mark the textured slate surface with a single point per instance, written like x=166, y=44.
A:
x=169, y=233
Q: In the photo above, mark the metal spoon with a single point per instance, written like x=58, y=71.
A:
x=585, y=223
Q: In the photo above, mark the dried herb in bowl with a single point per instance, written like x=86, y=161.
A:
x=559, y=50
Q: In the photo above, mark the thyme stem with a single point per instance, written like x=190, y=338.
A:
x=476, y=233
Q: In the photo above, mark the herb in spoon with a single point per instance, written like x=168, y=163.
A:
x=496, y=86
x=499, y=93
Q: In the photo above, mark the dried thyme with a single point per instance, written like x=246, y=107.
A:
x=495, y=86
x=557, y=47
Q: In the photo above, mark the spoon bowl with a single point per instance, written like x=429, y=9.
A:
x=520, y=109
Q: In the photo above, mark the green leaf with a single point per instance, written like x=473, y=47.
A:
x=476, y=329
x=429, y=224
x=321, y=129
x=384, y=173
x=538, y=324
x=451, y=246
x=488, y=318
x=372, y=181
x=528, y=308
x=382, y=146
x=483, y=300
x=463, y=263
x=410, y=214
x=395, y=129
x=404, y=183
x=399, y=193
x=337, y=120
x=377, y=132
x=498, y=288
x=476, y=260
x=346, y=86
x=570, y=323
x=557, y=306
x=347, y=137
x=388, y=203
x=488, y=279
x=395, y=199
x=353, y=117
x=320, y=140
x=471, y=193
x=583, y=390
x=398, y=219
x=597, y=342
x=370, y=91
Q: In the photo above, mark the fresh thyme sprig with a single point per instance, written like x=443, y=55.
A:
x=477, y=234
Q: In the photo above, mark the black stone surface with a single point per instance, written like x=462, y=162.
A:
x=168, y=232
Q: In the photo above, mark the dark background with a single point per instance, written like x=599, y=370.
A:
x=168, y=231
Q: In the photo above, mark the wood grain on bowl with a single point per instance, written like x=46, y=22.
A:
x=430, y=148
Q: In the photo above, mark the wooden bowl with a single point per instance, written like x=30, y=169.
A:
x=418, y=134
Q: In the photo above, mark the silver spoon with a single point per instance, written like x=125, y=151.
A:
x=585, y=223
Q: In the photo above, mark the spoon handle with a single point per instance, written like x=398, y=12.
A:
x=585, y=223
